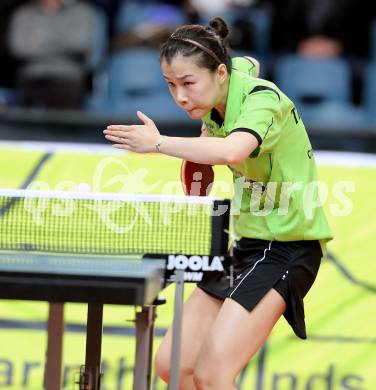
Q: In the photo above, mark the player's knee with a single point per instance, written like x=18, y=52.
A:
x=212, y=368
x=202, y=379
x=162, y=367
x=162, y=364
x=208, y=378
x=204, y=375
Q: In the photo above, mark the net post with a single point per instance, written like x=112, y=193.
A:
x=220, y=227
x=177, y=331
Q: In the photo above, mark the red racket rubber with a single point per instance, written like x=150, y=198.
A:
x=197, y=179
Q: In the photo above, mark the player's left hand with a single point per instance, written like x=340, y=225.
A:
x=136, y=138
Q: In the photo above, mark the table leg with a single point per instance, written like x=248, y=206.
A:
x=144, y=348
x=91, y=377
x=55, y=331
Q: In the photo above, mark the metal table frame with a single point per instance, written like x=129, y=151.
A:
x=90, y=377
x=139, y=288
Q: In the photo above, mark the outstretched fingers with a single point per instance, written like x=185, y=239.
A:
x=122, y=146
x=120, y=128
x=114, y=138
x=118, y=133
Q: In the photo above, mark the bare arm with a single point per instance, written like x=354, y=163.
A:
x=204, y=150
x=211, y=150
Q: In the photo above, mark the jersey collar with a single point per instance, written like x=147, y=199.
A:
x=215, y=117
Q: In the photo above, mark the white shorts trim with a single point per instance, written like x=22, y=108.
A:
x=254, y=266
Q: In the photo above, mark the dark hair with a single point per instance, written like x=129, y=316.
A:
x=206, y=43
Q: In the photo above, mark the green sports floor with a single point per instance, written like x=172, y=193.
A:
x=340, y=352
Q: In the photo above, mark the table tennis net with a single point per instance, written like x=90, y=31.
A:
x=110, y=224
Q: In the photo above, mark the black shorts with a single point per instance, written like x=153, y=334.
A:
x=288, y=267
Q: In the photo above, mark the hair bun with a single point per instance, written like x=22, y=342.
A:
x=219, y=26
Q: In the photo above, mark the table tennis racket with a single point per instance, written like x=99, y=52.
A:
x=197, y=179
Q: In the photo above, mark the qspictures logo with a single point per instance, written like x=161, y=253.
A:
x=255, y=197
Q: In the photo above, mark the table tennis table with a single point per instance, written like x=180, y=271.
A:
x=88, y=279
x=69, y=247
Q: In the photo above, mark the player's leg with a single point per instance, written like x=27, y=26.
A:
x=235, y=337
x=199, y=313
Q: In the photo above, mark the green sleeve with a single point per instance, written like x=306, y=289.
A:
x=244, y=65
x=260, y=116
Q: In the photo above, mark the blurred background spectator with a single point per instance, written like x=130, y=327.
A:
x=89, y=54
x=324, y=29
x=7, y=62
x=321, y=28
x=148, y=23
x=52, y=40
x=110, y=9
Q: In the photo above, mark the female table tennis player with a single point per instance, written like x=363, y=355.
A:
x=251, y=126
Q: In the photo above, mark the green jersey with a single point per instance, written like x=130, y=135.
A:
x=276, y=187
